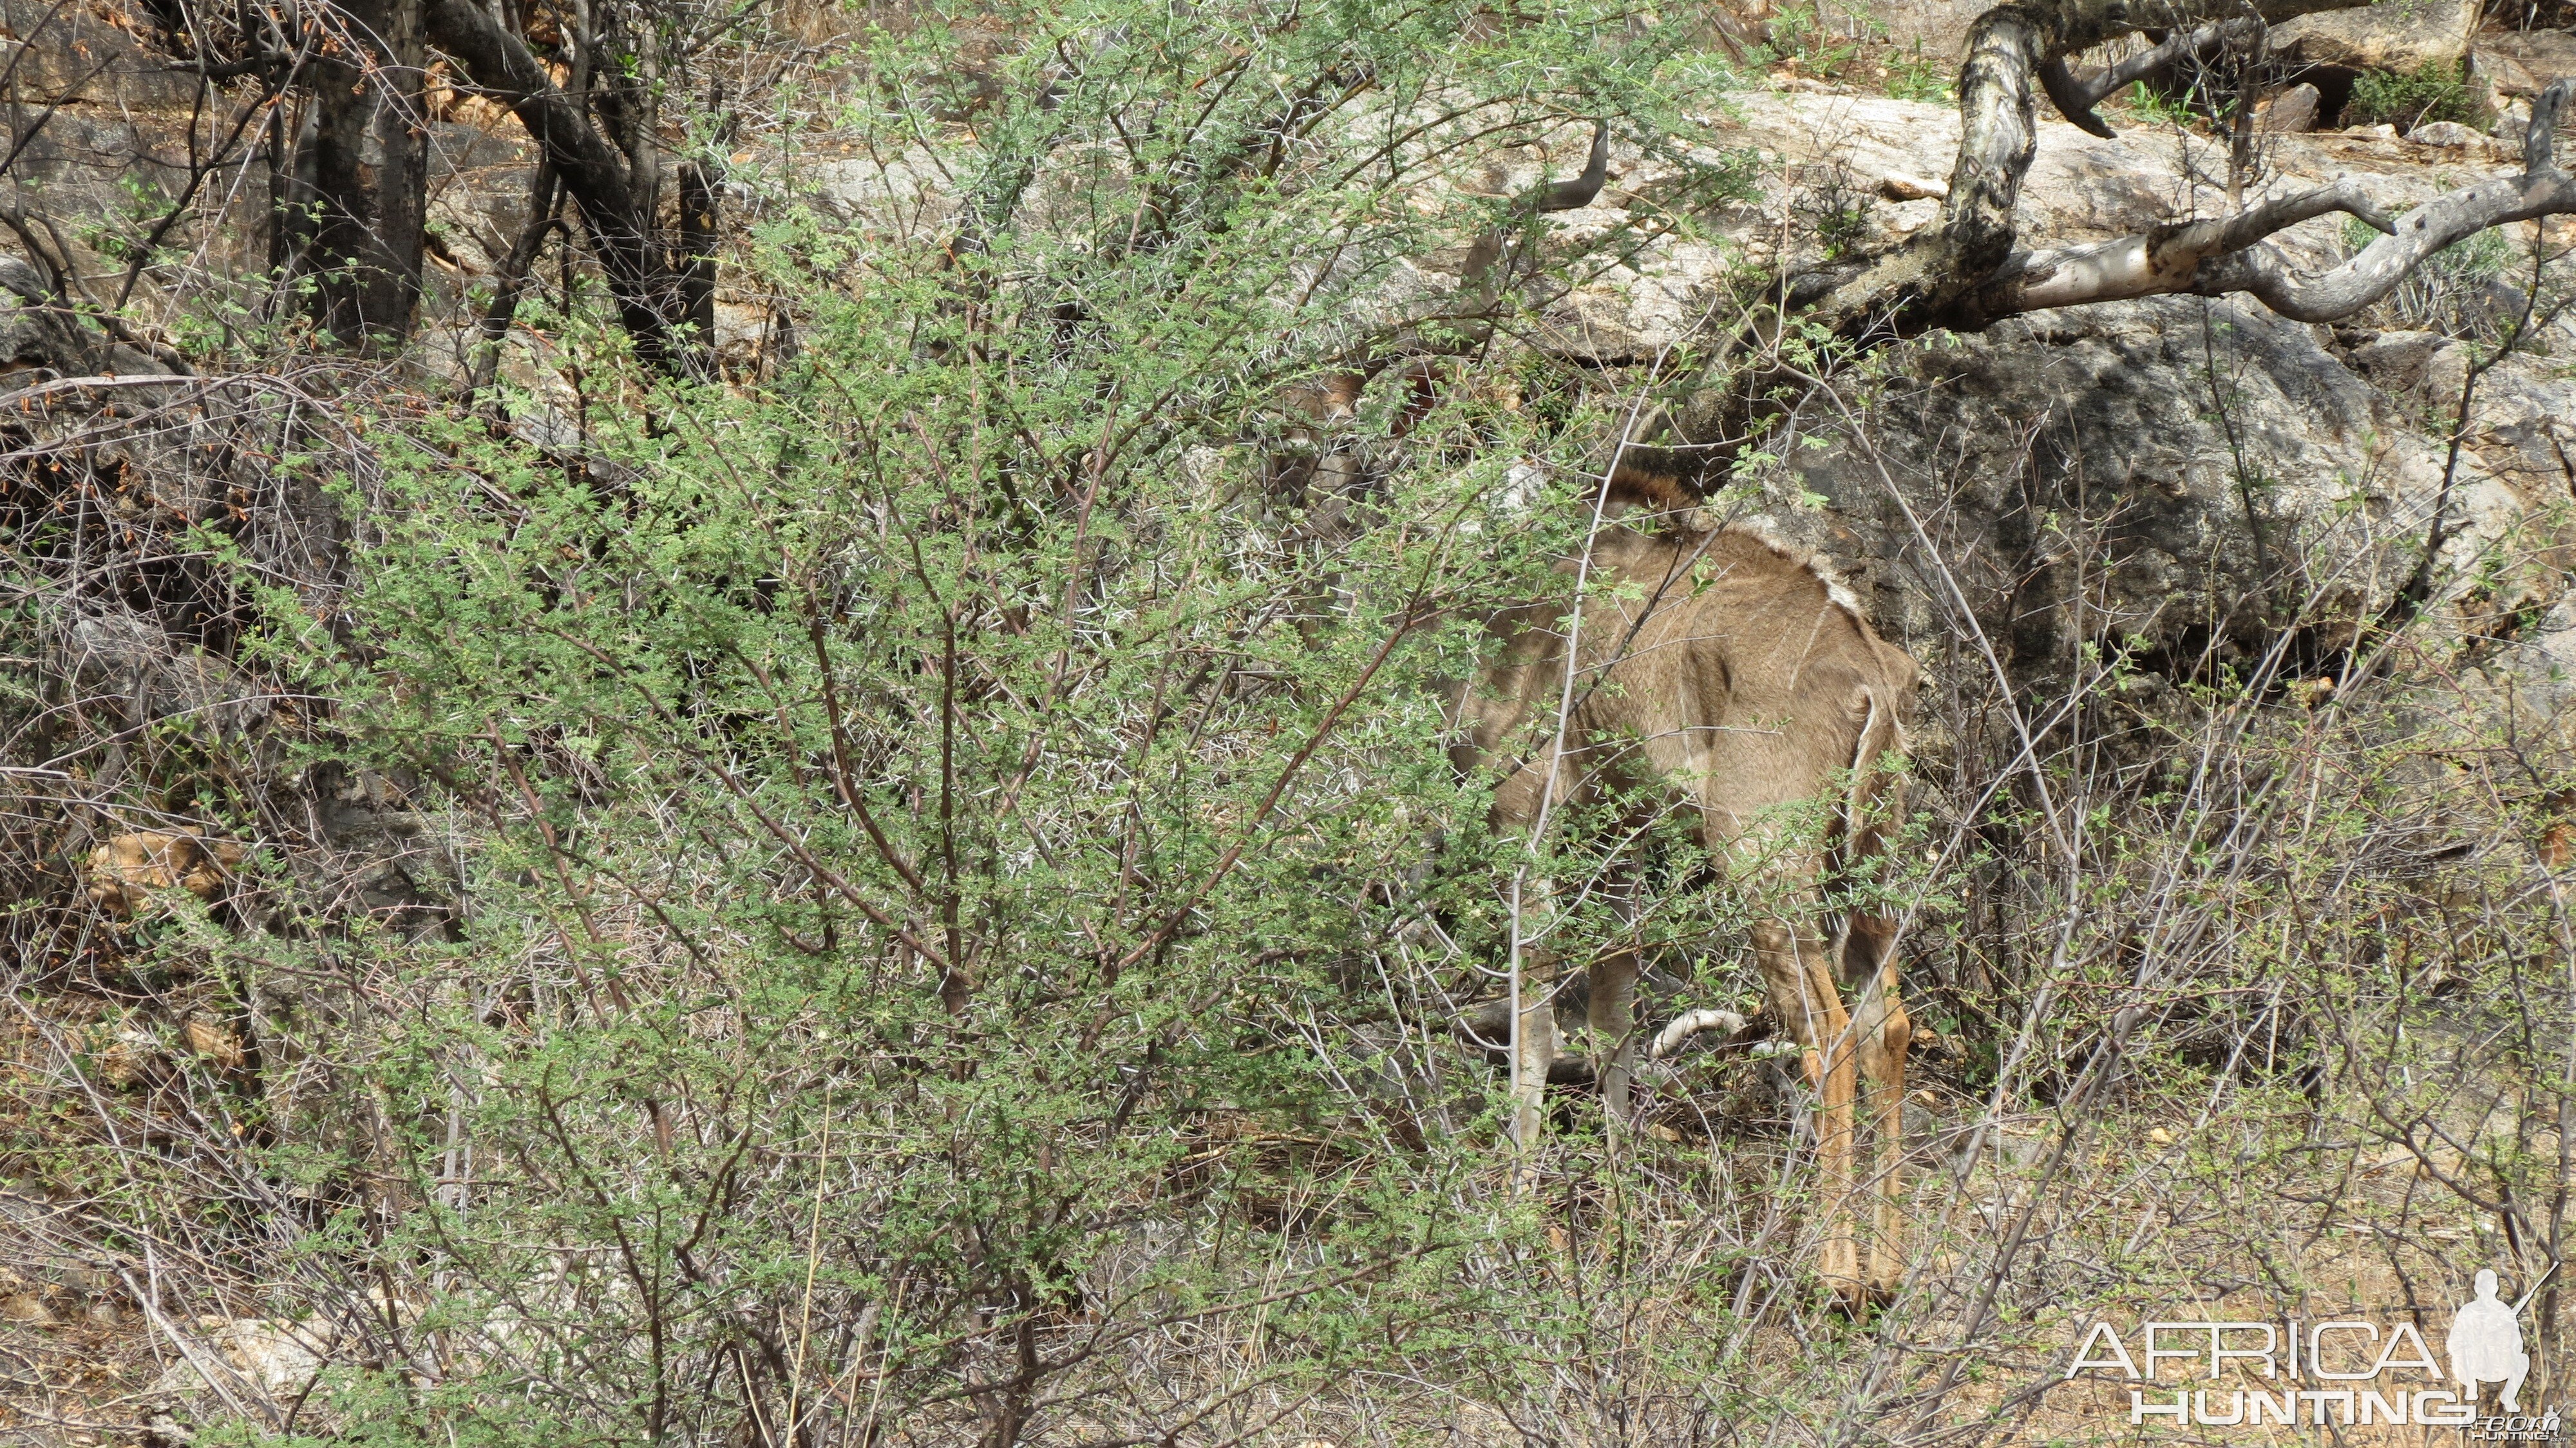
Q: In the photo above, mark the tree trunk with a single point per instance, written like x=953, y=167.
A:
x=657, y=284
x=696, y=262
x=369, y=167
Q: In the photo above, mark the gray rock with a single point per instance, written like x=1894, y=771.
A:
x=75, y=56
x=2396, y=360
x=2446, y=133
x=2522, y=421
x=2153, y=473
x=2523, y=63
x=2292, y=111
x=125, y=661
x=1934, y=29
x=2391, y=35
x=2131, y=472
x=36, y=333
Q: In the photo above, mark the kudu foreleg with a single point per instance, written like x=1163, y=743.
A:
x=1882, y=1032
x=1534, y=1037
x=1612, y=1014
x=1798, y=978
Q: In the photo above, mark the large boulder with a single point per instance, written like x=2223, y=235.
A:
x=2524, y=62
x=1867, y=168
x=37, y=334
x=2291, y=112
x=1870, y=170
x=2400, y=35
x=2173, y=475
x=1933, y=29
x=73, y=55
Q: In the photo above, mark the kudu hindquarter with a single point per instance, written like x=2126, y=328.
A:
x=1736, y=673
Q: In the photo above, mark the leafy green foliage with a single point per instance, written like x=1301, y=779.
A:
x=921, y=897
x=2158, y=108
x=2452, y=290
x=1821, y=44
x=932, y=807
x=1918, y=77
x=2434, y=91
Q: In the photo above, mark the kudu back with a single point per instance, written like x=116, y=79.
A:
x=1733, y=671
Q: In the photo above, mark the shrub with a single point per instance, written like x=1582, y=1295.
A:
x=2434, y=91
x=927, y=816
x=2454, y=291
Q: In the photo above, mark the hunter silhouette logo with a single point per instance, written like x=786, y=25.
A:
x=2486, y=1343
x=2338, y=1373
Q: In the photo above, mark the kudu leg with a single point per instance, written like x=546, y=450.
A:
x=1612, y=1015
x=1887, y=1249
x=1798, y=979
x=1882, y=1032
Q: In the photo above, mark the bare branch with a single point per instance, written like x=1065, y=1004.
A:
x=2076, y=98
x=617, y=199
x=1999, y=135
x=2215, y=258
x=1965, y=273
x=2377, y=270
x=2166, y=260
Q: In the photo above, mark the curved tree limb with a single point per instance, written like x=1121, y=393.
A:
x=1965, y=272
x=2075, y=98
x=2168, y=259
x=1998, y=137
x=617, y=204
x=2378, y=269
x=2214, y=258
x=2068, y=94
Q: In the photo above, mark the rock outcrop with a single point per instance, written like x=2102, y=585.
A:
x=2400, y=35
x=2175, y=475
x=38, y=335
x=2524, y=62
x=2292, y=111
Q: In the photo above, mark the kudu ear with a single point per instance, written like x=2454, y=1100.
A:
x=1578, y=193
x=1422, y=379
x=1496, y=243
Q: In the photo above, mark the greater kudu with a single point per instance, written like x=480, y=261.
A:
x=1737, y=673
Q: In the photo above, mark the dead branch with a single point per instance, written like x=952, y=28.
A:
x=2215, y=258
x=617, y=200
x=1965, y=273
x=2075, y=98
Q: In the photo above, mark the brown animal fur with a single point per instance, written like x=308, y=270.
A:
x=1739, y=673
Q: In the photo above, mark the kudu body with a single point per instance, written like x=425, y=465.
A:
x=1736, y=673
